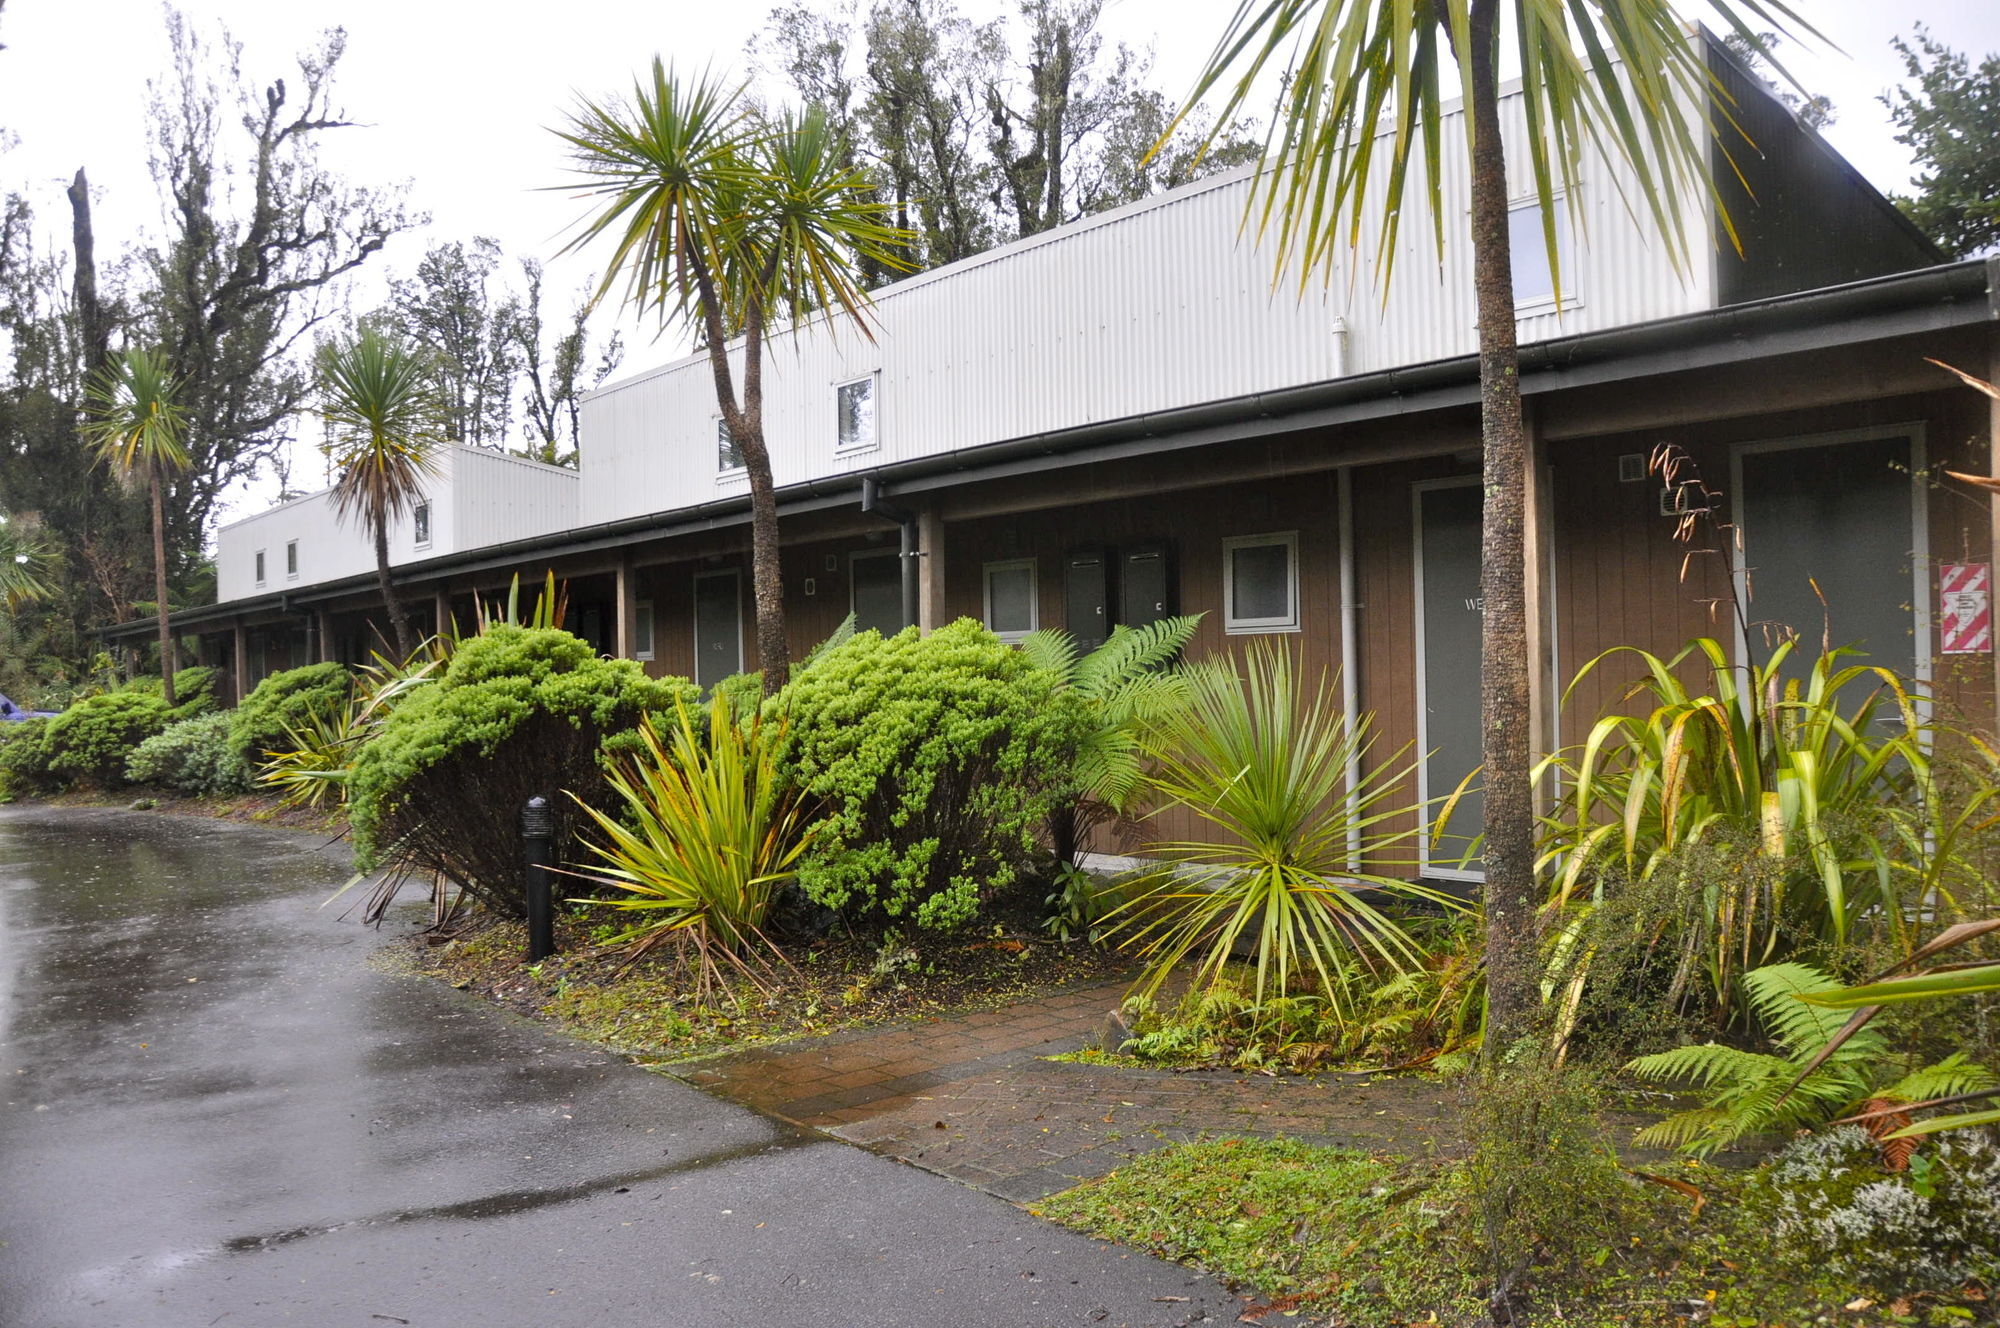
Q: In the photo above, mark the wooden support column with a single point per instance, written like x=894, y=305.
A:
x=1538, y=534
x=441, y=609
x=323, y=628
x=626, y=641
x=1992, y=468
x=931, y=611
x=241, y=666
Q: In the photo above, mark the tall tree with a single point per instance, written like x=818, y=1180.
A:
x=139, y=427
x=451, y=308
x=261, y=234
x=1630, y=83
x=1950, y=123
x=378, y=395
x=557, y=373
x=731, y=221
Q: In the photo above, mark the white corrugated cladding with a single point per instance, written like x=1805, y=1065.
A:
x=1165, y=303
x=477, y=497
x=497, y=497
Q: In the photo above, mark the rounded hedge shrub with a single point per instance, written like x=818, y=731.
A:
x=194, y=690
x=192, y=756
x=287, y=698
x=518, y=712
x=935, y=759
x=24, y=758
x=90, y=742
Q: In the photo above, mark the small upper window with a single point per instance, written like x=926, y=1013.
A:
x=728, y=452
x=420, y=522
x=291, y=558
x=856, y=407
x=1534, y=278
x=258, y=563
x=642, y=629
x=1260, y=583
x=1011, y=610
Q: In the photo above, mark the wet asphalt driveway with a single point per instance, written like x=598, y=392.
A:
x=216, y=1112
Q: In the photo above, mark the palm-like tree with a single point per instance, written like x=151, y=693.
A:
x=737, y=224
x=138, y=427
x=23, y=568
x=1618, y=77
x=382, y=411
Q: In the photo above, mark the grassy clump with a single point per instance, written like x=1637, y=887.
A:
x=1374, y=1241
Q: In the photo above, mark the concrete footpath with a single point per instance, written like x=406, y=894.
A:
x=216, y=1112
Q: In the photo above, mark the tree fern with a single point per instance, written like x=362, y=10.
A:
x=1752, y=1093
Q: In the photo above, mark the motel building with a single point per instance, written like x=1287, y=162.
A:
x=1123, y=418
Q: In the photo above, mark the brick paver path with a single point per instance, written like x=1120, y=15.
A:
x=970, y=1097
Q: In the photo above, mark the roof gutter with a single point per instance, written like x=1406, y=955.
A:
x=1933, y=299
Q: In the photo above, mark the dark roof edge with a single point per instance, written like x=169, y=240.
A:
x=1957, y=294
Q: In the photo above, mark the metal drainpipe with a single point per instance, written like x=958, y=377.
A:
x=871, y=502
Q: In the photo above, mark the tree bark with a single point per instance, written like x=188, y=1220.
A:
x=399, y=622
x=91, y=322
x=1511, y=969
x=160, y=588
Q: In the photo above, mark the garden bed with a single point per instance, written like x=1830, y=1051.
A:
x=649, y=1009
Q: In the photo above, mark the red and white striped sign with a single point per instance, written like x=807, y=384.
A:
x=1965, y=608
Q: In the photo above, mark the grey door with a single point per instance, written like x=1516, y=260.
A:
x=1838, y=516
x=718, y=628
x=878, y=592
x=1450, y=616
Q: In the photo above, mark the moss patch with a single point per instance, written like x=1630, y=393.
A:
x=1377, y=1241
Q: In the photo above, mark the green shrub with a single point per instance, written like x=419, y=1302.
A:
x=519, y=712
x=194, y=690
x=191, y=756
x=936, y=758
x=90, y=742
x=24, y=758
x=705, y=836
x=286, y=700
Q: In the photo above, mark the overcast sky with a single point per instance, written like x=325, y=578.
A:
x=457, y=97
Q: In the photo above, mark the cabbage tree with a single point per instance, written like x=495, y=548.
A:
x=733, y=224
x=1360, y=79
x=135, y=421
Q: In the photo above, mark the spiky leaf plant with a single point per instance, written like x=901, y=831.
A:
x=1262, y=762
x=704, y=834
x=1749, y=1092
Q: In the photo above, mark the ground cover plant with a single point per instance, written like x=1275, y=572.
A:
x=195, y=757
x=934, y=759
x=1821, y=1235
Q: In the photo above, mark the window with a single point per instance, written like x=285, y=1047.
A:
x=1260, y=583
x=855, y=403
x=642, y=629
x=1534, y=281
x=420, y=521
x=291, y=560
x=878, y=591
x=258, y=562
x=728, y=452
x=1011, y=611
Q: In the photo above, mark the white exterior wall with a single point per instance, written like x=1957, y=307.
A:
x=477, y=497
x=1161, y=304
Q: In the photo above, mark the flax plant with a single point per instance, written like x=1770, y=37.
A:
x=1262, y=763
x=704, y=836
x=1822, y=786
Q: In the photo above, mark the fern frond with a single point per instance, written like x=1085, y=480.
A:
x=1774, y=992
x=1052, y=651
x=1953, y=1075
x=1130, y=651
x=1711, y=1063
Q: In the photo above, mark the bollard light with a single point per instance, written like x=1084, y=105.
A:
x=538, y=830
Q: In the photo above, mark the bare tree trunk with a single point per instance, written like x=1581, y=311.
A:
x=774, y=653
x=399, y=622
x=1503, y=695
x=94, y=328
x=160, y=588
